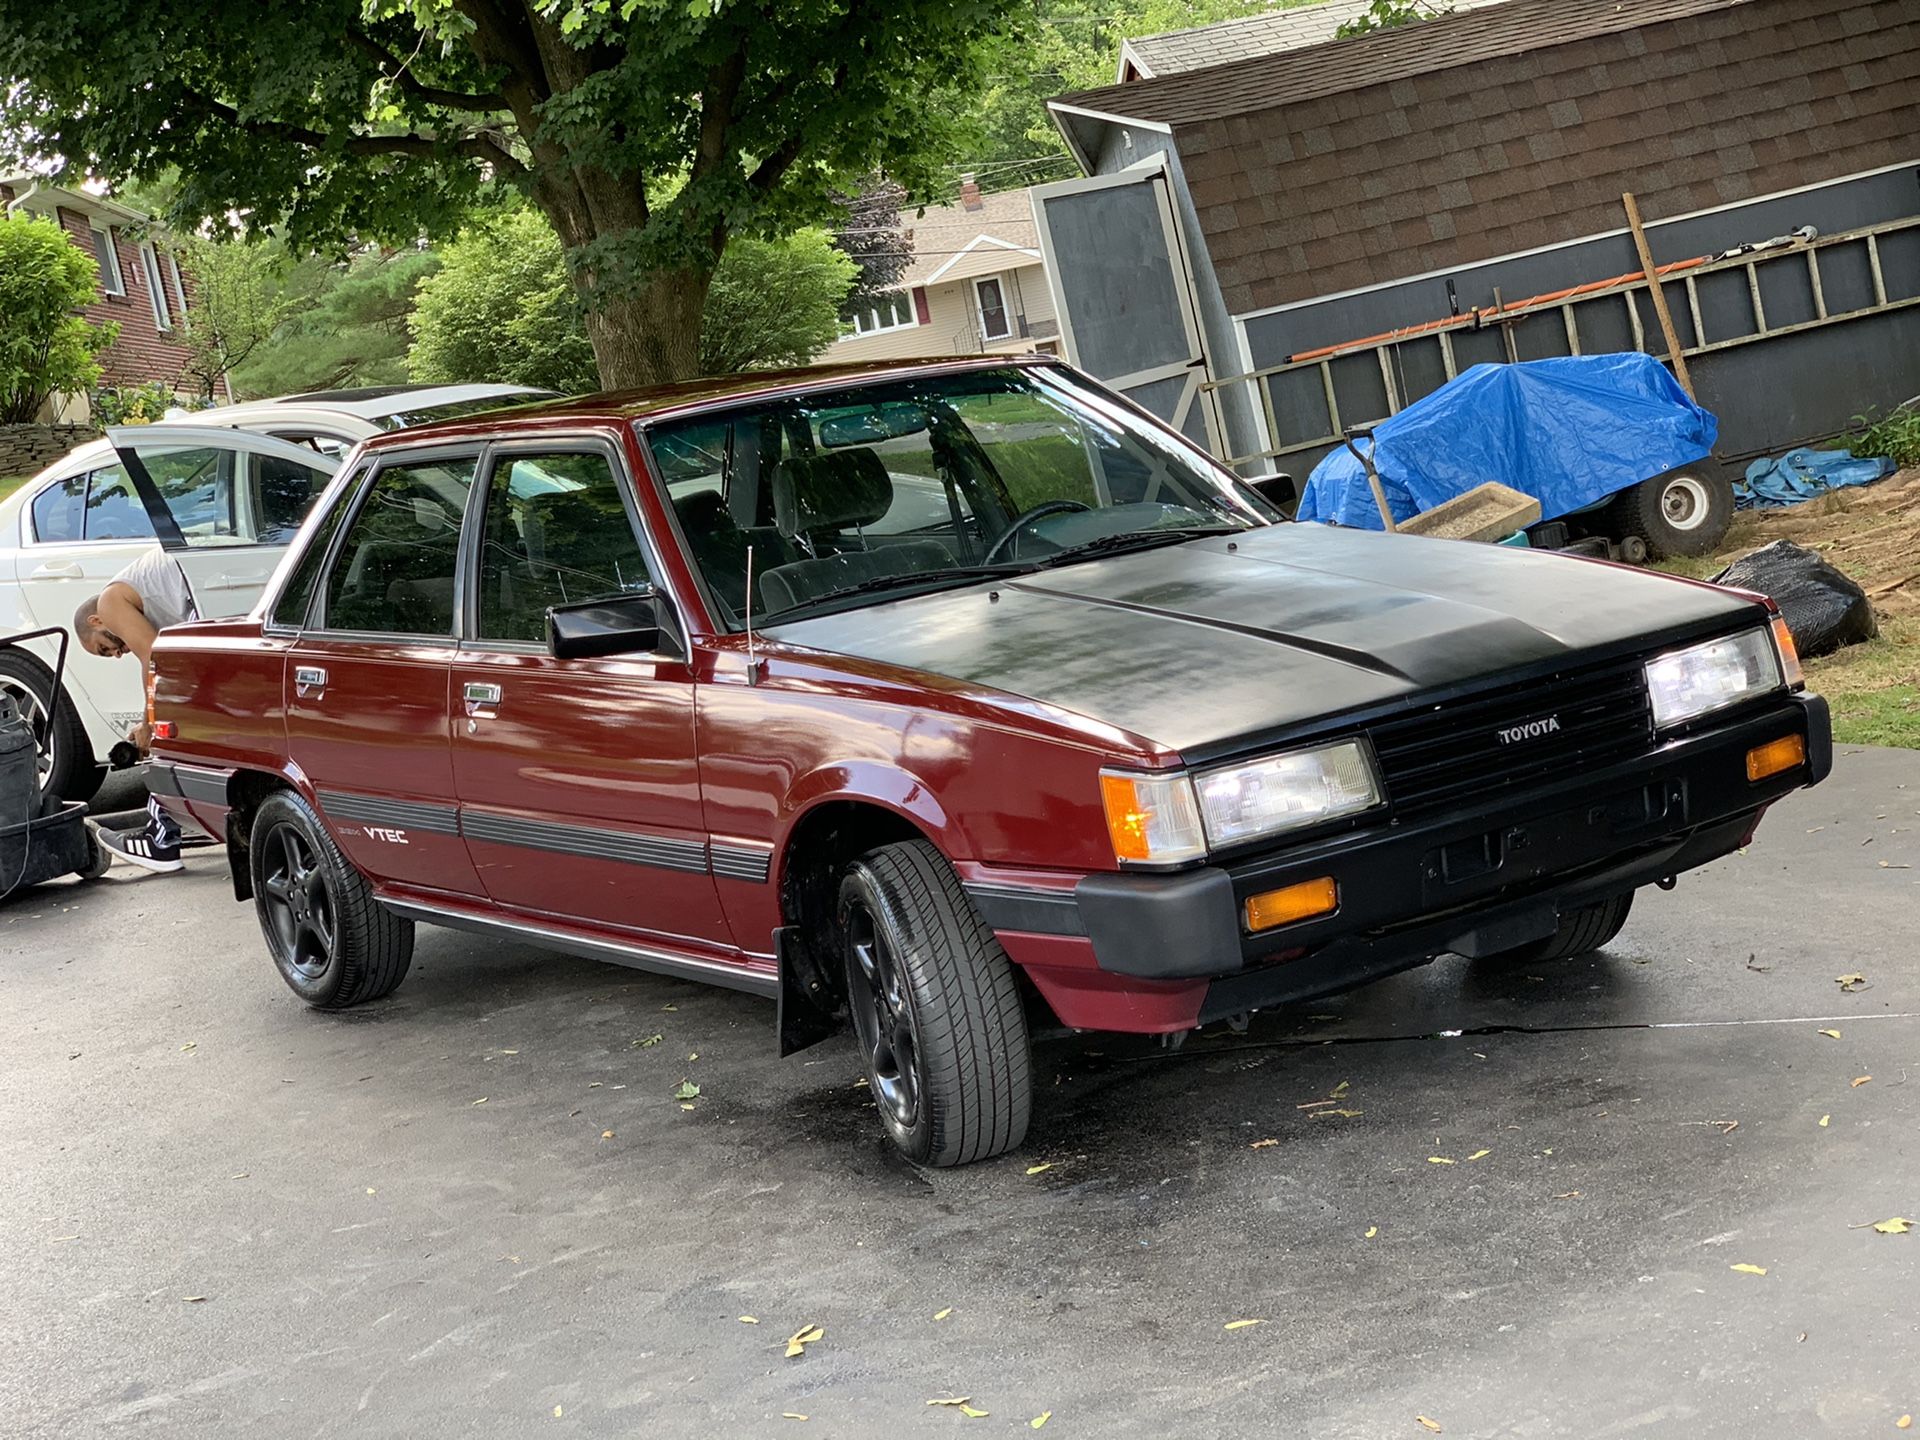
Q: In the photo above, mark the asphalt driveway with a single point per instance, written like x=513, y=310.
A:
x=479, y=1209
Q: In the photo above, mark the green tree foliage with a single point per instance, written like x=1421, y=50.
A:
x=238, y=299
x=1389, y=15
x=45, y=348
x=500, y=308
x=1069, y=45
x=344, y=324
x=346, y=121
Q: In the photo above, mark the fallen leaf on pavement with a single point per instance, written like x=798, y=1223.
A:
x=647, y=1042
x=1898, y=1225
x=801, y=1338
x=791, y=1415
x=1568, y=1195
x=1858, y=1081
x=1036, y=1169
x=973, y=1414
x=1239, y=1324
x=1338, y=1090
x=606, y=1134
x=1262, y=1144
x=509, y=1052
x=1823, y=1121
x=1041, y=1419
x=481, y=1101
x=191, y=1045
x=1433, y=1425
x=1851, y=982
x=1905, y=1422
x=749, y=1319
x=1372, y=1230
x=192, y=1299
x=942, y=1314
x=951, y=1400
x=1343, y=1114
x=1438, y=1160
x=558, y=1411
x=1749, y=1269
x=1479, y=1155
x=1831, y=1034
x=693, y=1055
x=665, y=1008
x=687, y=1091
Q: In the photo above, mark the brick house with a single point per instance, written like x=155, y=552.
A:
x=1335, y=188
x=142, y=288
x=976, y=285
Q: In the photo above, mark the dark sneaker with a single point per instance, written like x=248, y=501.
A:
x=136, y=847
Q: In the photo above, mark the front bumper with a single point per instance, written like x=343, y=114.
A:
x=1473, y=880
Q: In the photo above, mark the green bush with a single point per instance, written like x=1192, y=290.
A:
x=1896, y=436
x=45, y=348
x=132, y=404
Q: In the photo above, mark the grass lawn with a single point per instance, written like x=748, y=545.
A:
x=1873, y=534
x=11, y=483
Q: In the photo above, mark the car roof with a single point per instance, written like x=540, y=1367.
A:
x=681, y=397
x=371, y=402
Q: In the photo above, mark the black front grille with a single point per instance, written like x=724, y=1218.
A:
x=1454, y=751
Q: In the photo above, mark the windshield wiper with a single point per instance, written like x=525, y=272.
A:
x=1137, y=540
x=917, y=577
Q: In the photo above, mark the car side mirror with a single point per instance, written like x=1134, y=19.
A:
x=1275, y=486
x=621, y=625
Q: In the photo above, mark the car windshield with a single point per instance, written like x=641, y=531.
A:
x=857, y=495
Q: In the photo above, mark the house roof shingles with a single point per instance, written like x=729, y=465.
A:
x=1294, y=28
x=1465, y=37
x=940, y=234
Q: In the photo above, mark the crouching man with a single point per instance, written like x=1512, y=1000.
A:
x=127, y=617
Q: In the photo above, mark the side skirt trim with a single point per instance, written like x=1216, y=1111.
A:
x=638, y=957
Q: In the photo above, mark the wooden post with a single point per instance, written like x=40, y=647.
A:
x=1659, y=295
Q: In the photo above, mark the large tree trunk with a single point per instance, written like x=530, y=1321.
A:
x=651, y=336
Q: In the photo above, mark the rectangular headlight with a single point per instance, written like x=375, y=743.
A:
x=1286, y=792
x=1686, y=684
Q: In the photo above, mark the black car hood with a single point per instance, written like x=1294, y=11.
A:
x=1201, y=645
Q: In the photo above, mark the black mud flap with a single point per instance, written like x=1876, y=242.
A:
x=805, y=1016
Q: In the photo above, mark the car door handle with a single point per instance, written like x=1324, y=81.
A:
x=309, y=679
x=61, y=570
x=480, y=695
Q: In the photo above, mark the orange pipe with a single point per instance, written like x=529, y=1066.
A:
x=1478, y=316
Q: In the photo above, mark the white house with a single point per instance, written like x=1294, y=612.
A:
x=977, y=285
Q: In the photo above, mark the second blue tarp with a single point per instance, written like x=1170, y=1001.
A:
x=1804, y=475
x=1568, y=431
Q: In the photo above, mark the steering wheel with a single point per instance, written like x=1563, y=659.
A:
x=1026, y=518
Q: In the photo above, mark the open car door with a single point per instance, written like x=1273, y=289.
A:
x=224, y=503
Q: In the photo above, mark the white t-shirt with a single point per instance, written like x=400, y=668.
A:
x=162, y=587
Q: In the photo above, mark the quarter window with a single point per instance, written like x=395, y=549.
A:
x=556, y=533
x=395, y=571
x=290, y=607
x=59, y=511
x=108, y=254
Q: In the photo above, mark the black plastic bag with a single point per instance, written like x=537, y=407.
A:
x=1823, y=608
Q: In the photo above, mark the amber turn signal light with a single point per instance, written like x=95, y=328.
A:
x=1789, y=653
x=165, y=730
x=1775, y=756
x=1292, y=902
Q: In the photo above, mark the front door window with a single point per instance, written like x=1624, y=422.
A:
x=395, y=570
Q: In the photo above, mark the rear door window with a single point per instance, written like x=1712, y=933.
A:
x=395, y=570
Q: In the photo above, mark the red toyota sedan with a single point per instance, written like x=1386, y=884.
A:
x=935, y=699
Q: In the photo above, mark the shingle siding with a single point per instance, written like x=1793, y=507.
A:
x=1688, y=113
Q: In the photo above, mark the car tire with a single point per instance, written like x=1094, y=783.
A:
x=1581, y=931
x=938, y=1018
x=1686, y=511
x=69, y=769
x=332, y=942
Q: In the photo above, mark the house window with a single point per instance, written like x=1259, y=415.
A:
x=179, y=290
x=995, y=324
x=156, y=289
x=892, y=311
x=108, y=254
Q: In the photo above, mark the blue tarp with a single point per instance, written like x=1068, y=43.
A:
x=1803, y=474
x=1569, y=431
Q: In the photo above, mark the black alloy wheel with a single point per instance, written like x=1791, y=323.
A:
x=297, y=904
x=882, y=1016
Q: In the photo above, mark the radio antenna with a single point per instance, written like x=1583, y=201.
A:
x=753, y=662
